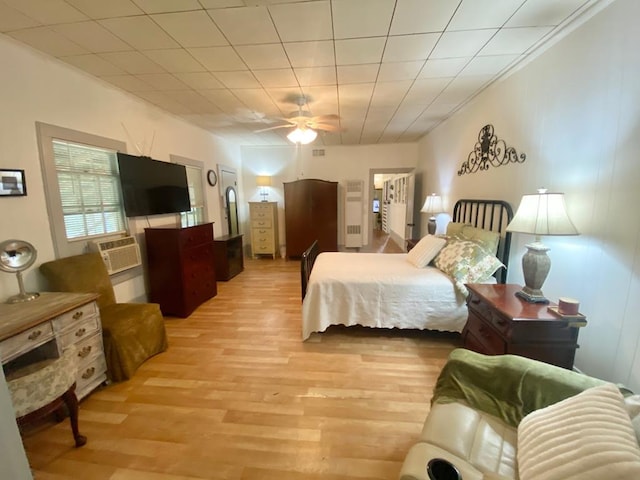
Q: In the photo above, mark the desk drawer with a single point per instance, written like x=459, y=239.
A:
x=66, y=320
x=26, y=341
x=88, y=348
x=90, y=376
x=79, y=331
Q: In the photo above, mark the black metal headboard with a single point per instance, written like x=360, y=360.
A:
x=492, y=215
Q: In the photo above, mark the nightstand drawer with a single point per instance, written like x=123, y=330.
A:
x=486, y=339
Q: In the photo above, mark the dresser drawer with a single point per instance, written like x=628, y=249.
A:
x=79, y=331
x=66, y=320
x=25, y=341
x=262, y=223
x=91, y=375
x=262, y=211
x=197, y=235
x=89, y=348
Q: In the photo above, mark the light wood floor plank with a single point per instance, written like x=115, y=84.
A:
x=239, y=396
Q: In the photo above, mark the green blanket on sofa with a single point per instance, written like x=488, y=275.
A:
x=506, y=386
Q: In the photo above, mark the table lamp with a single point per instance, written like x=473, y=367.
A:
x=539, y=214
x=432, y=205
x=263, y=181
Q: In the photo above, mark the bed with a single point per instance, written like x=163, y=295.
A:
x=389, y=291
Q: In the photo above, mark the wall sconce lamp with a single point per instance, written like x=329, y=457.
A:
x=302, y=136
x=539, y=214
x=263, y=181
x=432, y=205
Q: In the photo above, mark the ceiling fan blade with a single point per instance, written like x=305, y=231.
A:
x=272, y=128
x=328, y=128
x=326, y=118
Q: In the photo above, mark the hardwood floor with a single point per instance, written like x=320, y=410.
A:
x=238, y=395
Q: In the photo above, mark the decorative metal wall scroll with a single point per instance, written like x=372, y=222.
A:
x=489, y=151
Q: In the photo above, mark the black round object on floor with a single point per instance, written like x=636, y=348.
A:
x=441, y=469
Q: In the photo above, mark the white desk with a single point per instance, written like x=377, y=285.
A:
x=53, y=322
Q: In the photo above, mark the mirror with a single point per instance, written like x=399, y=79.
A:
x=232, y=211
x=16, y=256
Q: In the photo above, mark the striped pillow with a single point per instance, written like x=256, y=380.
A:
x=425, y=250
x=587, y=436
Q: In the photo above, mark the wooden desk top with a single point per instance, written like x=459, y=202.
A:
x=18, y=317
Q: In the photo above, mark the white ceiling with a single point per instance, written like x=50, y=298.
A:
x=391, y=69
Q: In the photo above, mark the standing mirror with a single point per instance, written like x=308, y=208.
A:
x=232, y=211
x=16, y=256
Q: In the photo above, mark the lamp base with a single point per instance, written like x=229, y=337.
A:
x=23, y=297
x=531, y=297
x=431, y=226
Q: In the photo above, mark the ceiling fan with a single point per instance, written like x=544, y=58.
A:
x=305, y=125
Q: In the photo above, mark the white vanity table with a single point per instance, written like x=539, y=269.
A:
x=51, y=323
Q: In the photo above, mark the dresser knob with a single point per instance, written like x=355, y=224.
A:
x=35, y=334
x=81, y=332
x=88, y=373
x=78, y=315
x=85, y=351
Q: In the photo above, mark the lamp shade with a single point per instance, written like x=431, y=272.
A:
x=302, y=135
x=432, y=204
x=542, y=214
x=263, y=181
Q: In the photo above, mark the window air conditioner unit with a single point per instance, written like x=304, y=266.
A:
x=119, y=254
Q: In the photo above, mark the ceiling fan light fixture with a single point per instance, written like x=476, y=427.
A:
x=302, y=136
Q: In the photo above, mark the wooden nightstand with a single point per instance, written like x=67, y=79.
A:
x=499, y=322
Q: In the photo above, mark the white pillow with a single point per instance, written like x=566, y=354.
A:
x=587, y=436
x=425, y=250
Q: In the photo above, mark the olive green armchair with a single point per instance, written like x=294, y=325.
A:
x=132, y=332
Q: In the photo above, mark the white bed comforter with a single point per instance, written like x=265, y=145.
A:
x=379, y=290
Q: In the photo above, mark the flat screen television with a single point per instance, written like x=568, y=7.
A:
x=152, y=187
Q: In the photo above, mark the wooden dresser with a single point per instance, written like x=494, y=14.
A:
x=264, y=228
x=499, y=322
x=311, y=213
x=181, y=267
x=229, y=260
x=49, y=325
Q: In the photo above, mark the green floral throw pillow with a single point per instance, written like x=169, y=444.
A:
x=466, y=262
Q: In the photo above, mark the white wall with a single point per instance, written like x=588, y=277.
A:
x=575, y=112
x=37, y=88
x=339, y=163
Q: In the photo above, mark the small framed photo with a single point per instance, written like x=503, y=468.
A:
x=12, y=183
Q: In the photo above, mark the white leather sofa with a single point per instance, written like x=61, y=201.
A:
x=477, y=405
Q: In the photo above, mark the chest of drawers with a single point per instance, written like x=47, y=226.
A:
x=51, y=324
x=264, y=228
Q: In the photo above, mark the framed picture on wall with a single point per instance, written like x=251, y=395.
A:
x=12, y=183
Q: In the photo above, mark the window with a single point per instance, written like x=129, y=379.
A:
x=89, y=190
x=196, y=215
x=81, y=186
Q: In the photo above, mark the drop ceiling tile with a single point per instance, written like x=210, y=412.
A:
x=199, y=80
x=222, y=3
x=191, y=29
x=536, y=13
x=358, y=73
x=303, y=21
x=310, y=54
x=478, y=14
x=407, y=113
x=162, y=81
x=236, y=80
x=245, y=26
x=361, y=18
x=140, y=32
x=257, y=98
x=163, y=6
x=316, y=76
x=218, y=59
x=132, y=62
x=321, y=97
x=390, y=72
x=48, y=41
x=175, y=60
x=390, y=94
x=514, y=40
x=263, y=56
x=360, y=50
x=12, y=19
x=489, y=65
x=355, y=95
x=461, y=88
x=92, y=36
x=161, y=100
x=94, y=65
x=193, y=101
x=223, y=99
x=421, y=16
x=280, y=77
x=409, y=47
x=461, y=44
x=424, y=91
x=443, y=67
x=48, y=12
x=112, y=8
x=284, y=99
x=130, y=83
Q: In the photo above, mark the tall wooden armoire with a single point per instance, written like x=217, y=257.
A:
x=311, y=213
